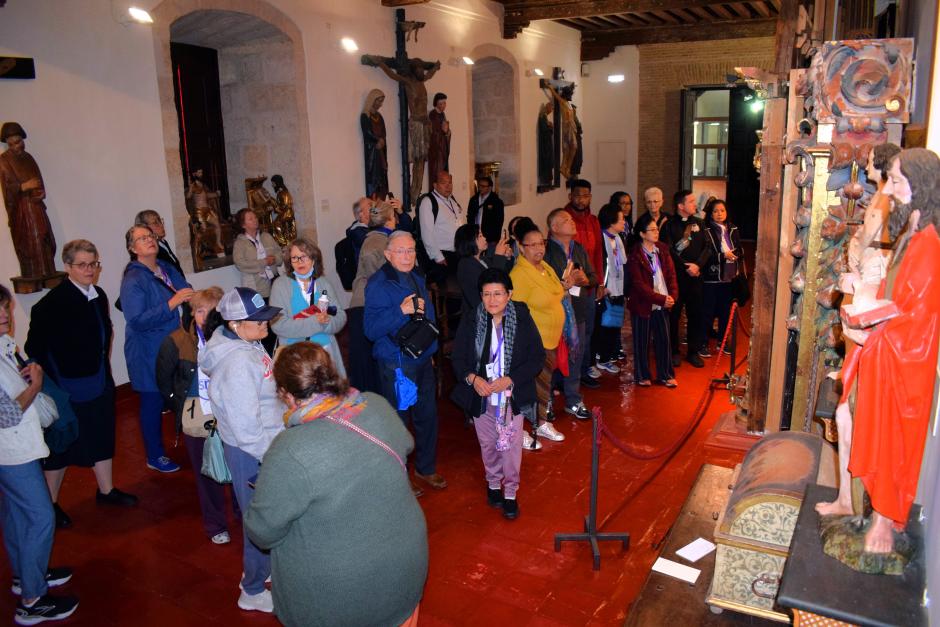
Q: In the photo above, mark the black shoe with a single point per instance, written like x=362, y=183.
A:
x=695, y=360
x=621, y=355
x=62, y=520
x=47, y=607
x=494, y=498
x=510, y=509
x=115, y=497
x=676, y=360
x=54, y=577
x=703, y=353
x=588, y=382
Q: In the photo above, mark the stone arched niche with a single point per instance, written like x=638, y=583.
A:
x=262, y=83
x=495, y=122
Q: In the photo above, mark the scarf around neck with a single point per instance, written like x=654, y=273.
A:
x=320, y=405
x=484, y=320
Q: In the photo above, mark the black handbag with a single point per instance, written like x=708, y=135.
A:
x=417, y=335
x=740, y=290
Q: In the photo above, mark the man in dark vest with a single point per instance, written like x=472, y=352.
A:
x=486, y=210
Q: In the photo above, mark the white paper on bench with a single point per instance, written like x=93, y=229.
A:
x=677, y=570
x=696, y=550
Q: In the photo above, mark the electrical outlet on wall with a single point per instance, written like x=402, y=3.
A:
x=325, y=206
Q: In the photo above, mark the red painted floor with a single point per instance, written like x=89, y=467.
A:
x=152, y=565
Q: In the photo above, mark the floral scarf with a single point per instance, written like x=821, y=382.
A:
x=322, y=405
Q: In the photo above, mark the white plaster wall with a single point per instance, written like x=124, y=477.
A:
x=610, y=112
x=94, y=120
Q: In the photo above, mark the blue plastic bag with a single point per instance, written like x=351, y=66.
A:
x=405, y=389
x=213, y=459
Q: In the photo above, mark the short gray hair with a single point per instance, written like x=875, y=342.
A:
x=652, y=190
x=77, y=246
x=397, y=235
x=146, y=216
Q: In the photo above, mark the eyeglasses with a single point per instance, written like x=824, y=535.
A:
x=652, y=229
x=299, y=258
x=499, y=294
x=85, y=266
x=402, y=251
x=535, y=245
x=144, y=238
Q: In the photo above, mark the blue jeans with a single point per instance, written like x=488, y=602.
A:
x=151, y=416
x=28, y=525
x=255, y=563
x=571, y=385
x=422, y=415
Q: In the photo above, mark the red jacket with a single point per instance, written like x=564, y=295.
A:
x=641, y=298
x=589, y=236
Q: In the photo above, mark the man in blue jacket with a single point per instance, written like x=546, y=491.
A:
x=389, y=305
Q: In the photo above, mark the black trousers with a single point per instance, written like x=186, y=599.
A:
x=717, y=304
x=362, y=370
x=691, y=299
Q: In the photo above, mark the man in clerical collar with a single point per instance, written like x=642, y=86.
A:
x=152, y=219
x=486, y=209
x=685, y=236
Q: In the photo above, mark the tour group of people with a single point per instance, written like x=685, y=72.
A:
x=317, y=445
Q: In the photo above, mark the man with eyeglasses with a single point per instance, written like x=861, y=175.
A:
x=439, y=217
x=589, y=236
x=152, y=219
x=393, y=294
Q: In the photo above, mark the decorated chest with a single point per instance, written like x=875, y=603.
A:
x=754, y=529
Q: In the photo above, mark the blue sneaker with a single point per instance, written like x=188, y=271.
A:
x=163, y=464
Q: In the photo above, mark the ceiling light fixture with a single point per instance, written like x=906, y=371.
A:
x=615, y=78
x=140, y=16
x=538, y=72
x=467, y=61
x=349, y=44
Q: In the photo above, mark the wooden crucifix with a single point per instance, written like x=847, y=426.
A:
x=410, y=74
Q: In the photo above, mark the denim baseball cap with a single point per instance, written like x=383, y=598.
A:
x=243, y=303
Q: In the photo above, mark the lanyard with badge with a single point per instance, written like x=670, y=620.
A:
x=203, y=379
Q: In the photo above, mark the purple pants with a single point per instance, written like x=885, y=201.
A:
x=501, y=467
x=211, y=493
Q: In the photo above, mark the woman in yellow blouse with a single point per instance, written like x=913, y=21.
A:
x=537, y=285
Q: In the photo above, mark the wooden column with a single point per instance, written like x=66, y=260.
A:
x=785, y=262
x=765, y=265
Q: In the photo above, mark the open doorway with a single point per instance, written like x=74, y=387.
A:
x=718, y=143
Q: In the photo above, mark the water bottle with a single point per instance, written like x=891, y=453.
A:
x=323, y=302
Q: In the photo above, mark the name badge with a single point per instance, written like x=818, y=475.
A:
x=575, y=290
x=491, y=371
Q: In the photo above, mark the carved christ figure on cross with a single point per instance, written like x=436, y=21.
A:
x=412, y=74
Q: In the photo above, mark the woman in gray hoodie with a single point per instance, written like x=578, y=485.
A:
x=249, y=414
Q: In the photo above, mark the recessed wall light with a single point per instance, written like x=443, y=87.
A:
x=615, y=78
x=538, y=72
x=140, y=16
x=349, y=44
x=467, y=61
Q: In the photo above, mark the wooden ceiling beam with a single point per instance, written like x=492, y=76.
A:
x=516, y=11
x=596, y=42
x=761, y=8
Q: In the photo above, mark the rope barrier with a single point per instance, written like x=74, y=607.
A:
x=697, y=414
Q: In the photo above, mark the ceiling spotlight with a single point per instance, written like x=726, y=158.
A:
x=538, y=72
x=757, y=106
x=615, y=78
x=140, y=16
x=467, y=61
x=349, y=44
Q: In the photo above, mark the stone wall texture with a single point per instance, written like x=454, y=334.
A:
x=665, y=69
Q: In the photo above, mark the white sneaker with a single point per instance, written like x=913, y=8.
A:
x=547, y=431
x=594, y=373
x=609, y=366
x=261, y=602
x=528, y=444
x=221, y=538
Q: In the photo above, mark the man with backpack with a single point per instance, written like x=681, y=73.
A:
x=439, y=217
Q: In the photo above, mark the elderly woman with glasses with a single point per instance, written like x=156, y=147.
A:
x=312, y=309
x=74, y=352
x=152, y=292
x=652, y=293
x=537, y=286
x=497, y=355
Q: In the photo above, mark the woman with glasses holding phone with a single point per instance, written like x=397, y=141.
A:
x=152, y=292
x=74, y=352
x=312, y=311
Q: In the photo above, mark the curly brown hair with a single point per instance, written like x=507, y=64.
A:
x=304, y=369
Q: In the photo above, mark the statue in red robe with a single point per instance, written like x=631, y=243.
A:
x=23, y=194
x=894, y=374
